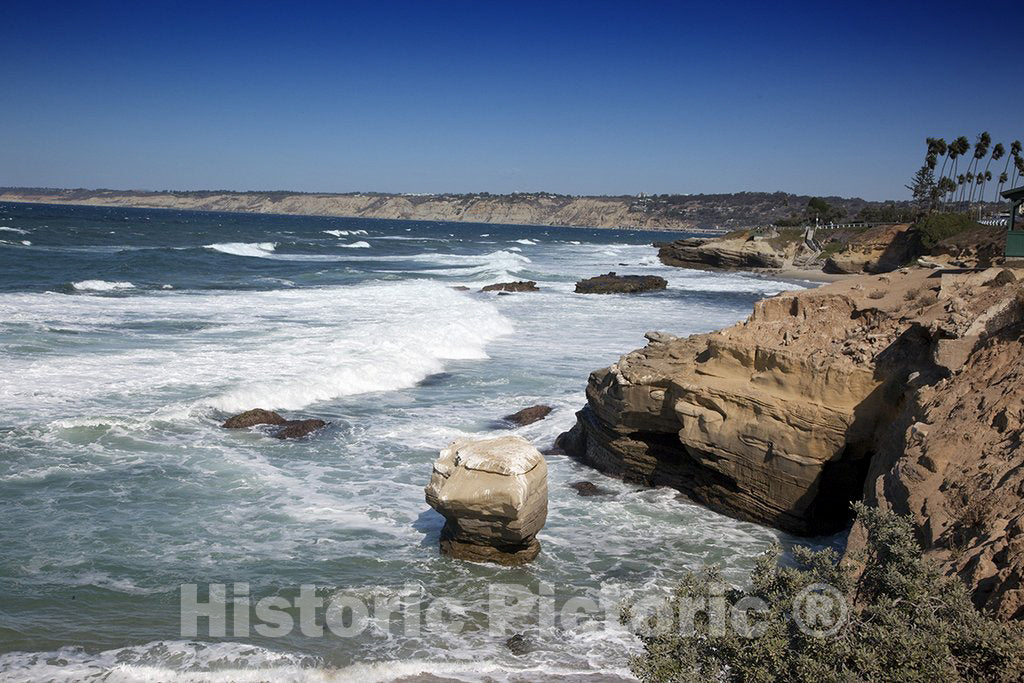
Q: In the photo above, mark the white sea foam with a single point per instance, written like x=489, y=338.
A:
x=26, y=243
x=6, y=228
x=344, y=233
x=256, y=249
x=283, y=349
x=101, y=286
x=228, y=662
x=525, y=241
x=356, y=245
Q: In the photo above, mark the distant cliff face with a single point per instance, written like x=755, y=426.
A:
x=904, y=390
x=662, y=212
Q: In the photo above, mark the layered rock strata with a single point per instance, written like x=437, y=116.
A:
x=726, y=252
x=778, y=419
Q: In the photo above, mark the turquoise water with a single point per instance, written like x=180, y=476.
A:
x=127, y=335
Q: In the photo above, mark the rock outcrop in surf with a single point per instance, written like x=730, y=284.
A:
x=286, y=429
x=528, y=416
x=518, y=286
x=610, y=283
x=493, y=494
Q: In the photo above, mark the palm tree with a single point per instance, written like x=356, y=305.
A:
x=997, y=153
x=1003, y=177
x=1015, y=148
x=957, y=149
x=945, y=186
x=952, y=152
x=980, y=150
x=942, y=149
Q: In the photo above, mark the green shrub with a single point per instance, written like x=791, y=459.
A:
x=905, y=621
x=935, y=227
x=786, y=236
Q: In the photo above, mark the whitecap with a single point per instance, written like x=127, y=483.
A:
x=524, y=241
x=17, y=230
x=281, y=349
x=101, y=286
x=344, y=233
x=256, y=249
x=356, y=245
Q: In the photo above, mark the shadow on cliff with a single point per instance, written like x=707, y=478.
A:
x=879, y=426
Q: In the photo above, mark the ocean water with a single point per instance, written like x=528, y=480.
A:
x=128, y=335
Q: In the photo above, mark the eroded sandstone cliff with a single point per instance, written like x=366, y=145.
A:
x=789, y=416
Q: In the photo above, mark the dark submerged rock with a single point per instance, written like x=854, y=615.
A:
x=251, y=418
x=286, y=429
x=610, y=283
x=519, y=286
x=518, y=644
x=528, y=416
x=588, y=488
x=294, y=429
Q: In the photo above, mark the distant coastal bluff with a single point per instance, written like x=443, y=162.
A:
x=680, y=212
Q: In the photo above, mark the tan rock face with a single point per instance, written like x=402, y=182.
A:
x=906, y=390
x=954, y=459
x=877, y=250
x=741, y=252
x=776, y=419
x=493, y=494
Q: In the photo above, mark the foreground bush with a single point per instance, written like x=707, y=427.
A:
x=903, y=621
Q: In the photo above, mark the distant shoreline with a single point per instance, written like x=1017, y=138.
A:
x=708, y=214
x=671, y=230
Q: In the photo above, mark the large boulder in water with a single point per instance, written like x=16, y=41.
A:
x=610, y=283
x=251, y=418
x=527, y=416
x=493, y=494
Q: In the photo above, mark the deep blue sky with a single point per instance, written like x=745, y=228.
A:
x=819, y=97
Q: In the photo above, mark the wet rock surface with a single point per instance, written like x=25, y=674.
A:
x=251, y=418
x=611, y=283
x=586, y=489
x=286, y=429
x=528, y=416
x=296, y=429
x=520, y=286
x=518, y=644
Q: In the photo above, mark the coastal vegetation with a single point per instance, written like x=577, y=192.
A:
x=900, y=619
x=953, y=190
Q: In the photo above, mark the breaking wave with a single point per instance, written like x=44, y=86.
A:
x=100, y=286
x=256, y=249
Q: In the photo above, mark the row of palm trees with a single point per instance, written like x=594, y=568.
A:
x=963, y=189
